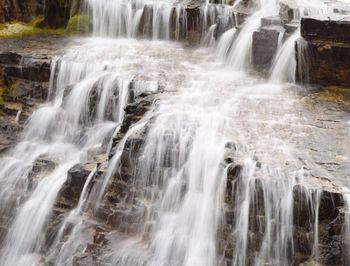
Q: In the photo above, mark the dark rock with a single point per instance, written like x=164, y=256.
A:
x=193, y=23
x=223, y=24
x=326, y=30
x=324, y=64
x=265, y=45
x=271, y=21
x=24, y=10
x=57, y=13
x=241, y=18
x=291, y=27
x=72, y=188
x=145, y=28
x=34, y=70
x=10, y=58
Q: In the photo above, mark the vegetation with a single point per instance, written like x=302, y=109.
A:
x=18, y=29
x=79, y=25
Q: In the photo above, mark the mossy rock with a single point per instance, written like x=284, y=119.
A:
x=17, y=29
x=79, y=25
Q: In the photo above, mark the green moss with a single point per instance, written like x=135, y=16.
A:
x=17, y=29
x=37, y=22
x=79, y=25
x=2, y=92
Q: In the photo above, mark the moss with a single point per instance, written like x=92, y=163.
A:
x=5, y=90
x=78, y=25
x=17, y=29
x=37, y=22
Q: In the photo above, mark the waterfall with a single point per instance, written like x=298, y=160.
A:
x=284, y=65
x=241, y=50
x=302, y=70
x=181, y=156
x=67, y=131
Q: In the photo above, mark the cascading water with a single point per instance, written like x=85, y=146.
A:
x=241, y=50
x=215, y=173
x=284, y=65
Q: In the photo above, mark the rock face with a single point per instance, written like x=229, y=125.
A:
x=24, y=82
x=315, y=210
x=326, y=30
x=55, y=12
x=22, y=10
x=265, y=45
x=323, y=56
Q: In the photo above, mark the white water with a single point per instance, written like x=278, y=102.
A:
x=67, y=132
x=284, y=64
x=241, y=51
x=178, y=182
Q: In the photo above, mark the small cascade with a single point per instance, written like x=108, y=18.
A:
x=346, y=229
x=240, y=56
x=225, y=43
x=302, y=69
x=70, y=129
x=284, y=65
x=147, y=153
x=157, y=20
x=209, y=40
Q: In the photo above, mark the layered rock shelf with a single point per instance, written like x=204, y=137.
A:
x=323, y=55
x=140, y=149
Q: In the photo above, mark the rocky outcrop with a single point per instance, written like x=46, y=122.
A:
x=20, y=10
x=265, y=43
x=315, y=210
x=24, y=81
x=325, y=30
x=56, y=13
x=323, y=56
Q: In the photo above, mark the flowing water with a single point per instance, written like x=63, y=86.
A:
x=210, y=117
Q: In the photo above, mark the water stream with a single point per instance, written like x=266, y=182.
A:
x=212, y=117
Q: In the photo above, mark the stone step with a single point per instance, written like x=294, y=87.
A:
x=268, y=21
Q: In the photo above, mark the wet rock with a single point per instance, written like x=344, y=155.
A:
x=323, y=56
x=291, y=27
x=265, y=45
x=223, y=25
x=286, y=13
x=32, y=69
x=325, y=30
x=329, y=204
x=42, y=165
x=10, y=58
x=271, y=21
x=193, y=23
x=58, y=12
x=10, y=127
x=130, y=155
x=72, y=188
x=323, y=63
x=241, y=18
x=24, y=10
x=145, y=26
